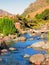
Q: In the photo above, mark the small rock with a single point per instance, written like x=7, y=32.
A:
x=19, y=39
x=12, y=49
x=31, y=39
x=4, y=50
x=26, y=56
x=0, y=60
x=28, y=46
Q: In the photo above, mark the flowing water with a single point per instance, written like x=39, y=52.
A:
x=17, y=57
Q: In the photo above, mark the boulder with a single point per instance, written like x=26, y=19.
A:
x=12, y=49
x=38, y=44
x=37, y=59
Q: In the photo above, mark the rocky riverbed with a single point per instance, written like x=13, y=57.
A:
x=22, y=53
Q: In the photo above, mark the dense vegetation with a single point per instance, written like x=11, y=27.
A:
x=47, y=1
x=44, y=15
x=7, y=26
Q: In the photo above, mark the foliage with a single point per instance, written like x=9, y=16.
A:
x=47, y=1
x=7, y=26
x=48, y=36
x=44, y=15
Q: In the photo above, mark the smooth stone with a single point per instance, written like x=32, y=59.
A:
x=28, y=46
x=38, y=44
x=31, y=39
x=12, y=49
x=37, y=58
x=26, y=56
x=4, y=50
x=0, y=59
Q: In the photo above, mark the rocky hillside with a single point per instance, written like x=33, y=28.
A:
x=4, y=13
x=36, y=7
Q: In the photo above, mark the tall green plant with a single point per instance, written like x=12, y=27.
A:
x=7, y=26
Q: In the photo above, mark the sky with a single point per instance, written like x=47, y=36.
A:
x=15, y=6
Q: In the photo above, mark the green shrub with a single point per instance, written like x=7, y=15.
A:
x=7, y=26
x=44, y=15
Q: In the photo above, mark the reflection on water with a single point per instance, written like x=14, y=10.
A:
x=17, y=57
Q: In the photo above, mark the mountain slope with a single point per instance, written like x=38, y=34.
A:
x=34, y=7
x=4, y=13
x=31, y=15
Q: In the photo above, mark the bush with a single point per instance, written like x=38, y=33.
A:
x=7, y=26
x=44, y=15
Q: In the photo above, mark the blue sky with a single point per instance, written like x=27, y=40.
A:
x=15, y=6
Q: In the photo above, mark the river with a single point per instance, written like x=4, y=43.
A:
x=17, y=57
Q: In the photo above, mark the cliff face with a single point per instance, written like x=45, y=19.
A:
x=38, y=4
